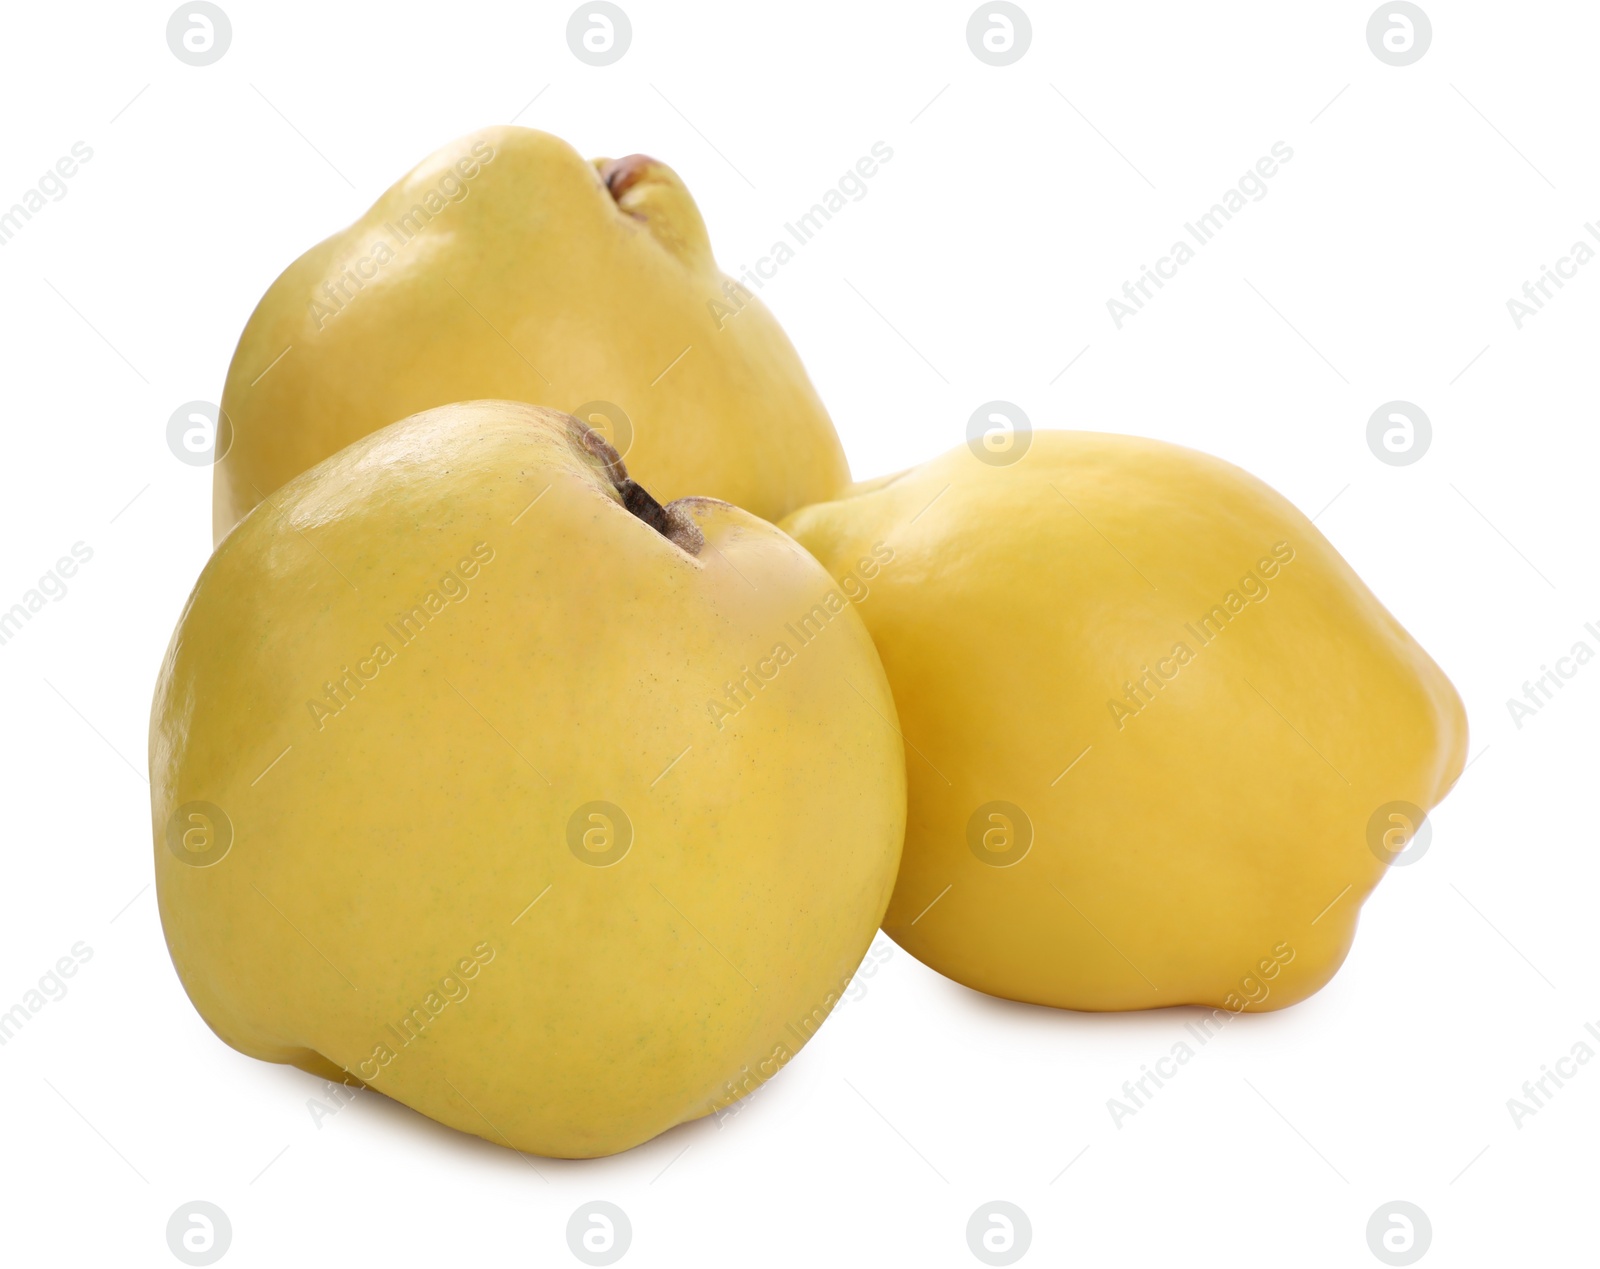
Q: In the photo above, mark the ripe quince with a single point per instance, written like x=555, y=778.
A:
x=505, y=265
x=464, y=788
x=1162, y=741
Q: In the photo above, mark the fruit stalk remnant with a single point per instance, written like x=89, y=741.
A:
x=670, y=521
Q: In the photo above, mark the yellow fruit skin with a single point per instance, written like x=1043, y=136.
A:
x=379, y=844
x=1209, y=846
x=528, y=281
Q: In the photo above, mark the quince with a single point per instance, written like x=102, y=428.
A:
x=464, y=789
x=1162, y=741
x=507, y=266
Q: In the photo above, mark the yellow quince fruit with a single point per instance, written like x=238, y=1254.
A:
x=507, y=266
x=1162, y=741
x=464, y=788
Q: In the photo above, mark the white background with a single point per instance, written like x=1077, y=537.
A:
x=977, y=267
